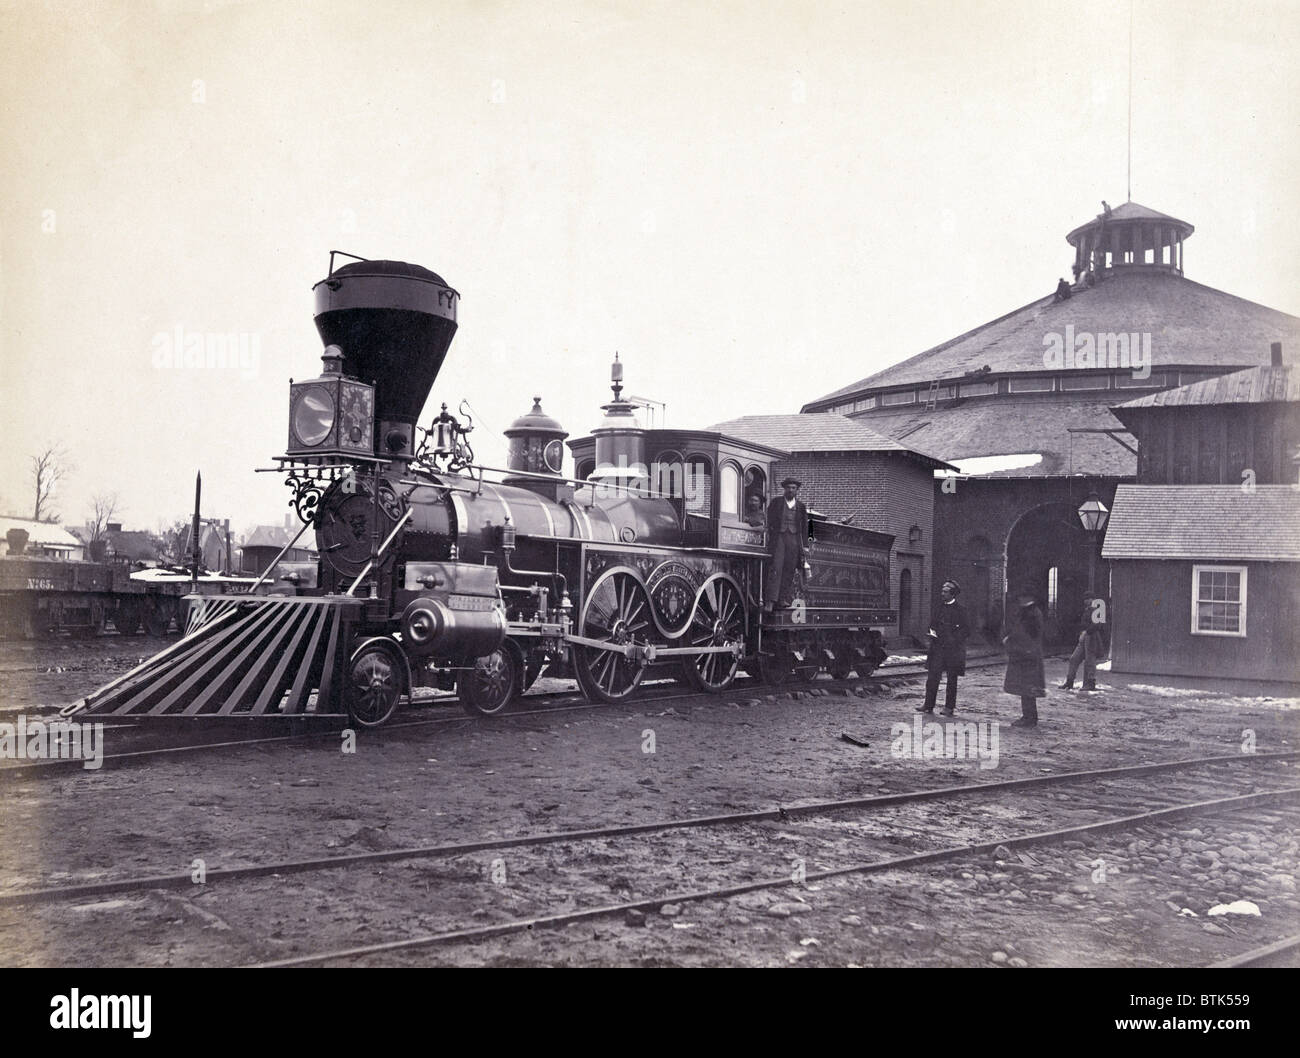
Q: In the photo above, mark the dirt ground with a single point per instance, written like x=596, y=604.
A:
x=1138, y=897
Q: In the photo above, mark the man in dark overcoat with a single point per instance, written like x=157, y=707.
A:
x=787, y=531
x=1024, y=643
x=947, y=656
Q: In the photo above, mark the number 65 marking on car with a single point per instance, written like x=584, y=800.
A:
x=799, y=612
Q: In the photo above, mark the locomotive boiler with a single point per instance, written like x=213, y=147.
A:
x=433, y=574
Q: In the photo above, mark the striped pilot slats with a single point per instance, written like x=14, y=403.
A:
x=206, y=608
x=249, y=656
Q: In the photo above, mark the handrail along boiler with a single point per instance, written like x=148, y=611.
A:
x=432, y=575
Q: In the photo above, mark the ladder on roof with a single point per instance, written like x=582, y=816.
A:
x=932, y=398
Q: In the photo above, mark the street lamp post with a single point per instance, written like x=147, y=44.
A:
x=1094, y=515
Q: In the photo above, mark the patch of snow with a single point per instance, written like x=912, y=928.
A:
x=977, y=465
x=1237, y=907
x=1220, y=697
x=1103, y=666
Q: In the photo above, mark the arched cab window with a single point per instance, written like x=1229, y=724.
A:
x=668, y=476
x=729, y=490
x=697, y=477
x=754, y=511
x=585, y=469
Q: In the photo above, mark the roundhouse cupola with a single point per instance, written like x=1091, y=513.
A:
x=1128, y=237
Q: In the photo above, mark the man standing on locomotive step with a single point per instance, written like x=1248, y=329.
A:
x=787, y=525
x=947, y=655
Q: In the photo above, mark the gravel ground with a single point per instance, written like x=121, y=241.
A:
x=1116, y=899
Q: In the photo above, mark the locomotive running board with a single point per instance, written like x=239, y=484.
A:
x=241, y=656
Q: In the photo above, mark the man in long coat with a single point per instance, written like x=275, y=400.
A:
x=947, y=656
x=1024, y=643
x=787, y=531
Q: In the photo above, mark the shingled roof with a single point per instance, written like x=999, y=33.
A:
x=1255, y=385
x=1220, y=522
x=1190, y=325
x=821, y=432
x=1010, y=427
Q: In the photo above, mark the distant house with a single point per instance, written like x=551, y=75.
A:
x=134, y=546
x=43, y=539
x=264, y=543
x=1205, y=548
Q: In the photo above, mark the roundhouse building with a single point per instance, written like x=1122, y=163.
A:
x=1022, y=405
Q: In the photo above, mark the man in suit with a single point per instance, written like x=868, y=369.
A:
x=787, y=530
x=947, y=654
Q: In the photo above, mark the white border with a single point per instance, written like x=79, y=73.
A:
x=1196, y=579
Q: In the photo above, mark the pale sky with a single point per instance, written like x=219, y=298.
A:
x=755, y=203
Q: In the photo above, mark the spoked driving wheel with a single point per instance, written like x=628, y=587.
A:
x=719, y=620
x=617, y=611
x=488, y=688
x=375, y=681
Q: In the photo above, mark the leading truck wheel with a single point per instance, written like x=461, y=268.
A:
x=374, y=684
x=488, y=688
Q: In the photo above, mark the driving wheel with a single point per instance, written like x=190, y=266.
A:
x=617, y=611
x=719, y=620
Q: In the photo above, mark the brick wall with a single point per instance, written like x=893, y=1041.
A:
x=884, y=491
x=989, y=509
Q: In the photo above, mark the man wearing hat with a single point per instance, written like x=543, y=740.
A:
x=947, y=654
x=1024, y=643
x=787, y=529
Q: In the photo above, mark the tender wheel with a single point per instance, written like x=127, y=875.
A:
x=719, y=619
x=375, y=680
x=489, y=687
x=842, y=667
x=617, y=610
x=776, y=665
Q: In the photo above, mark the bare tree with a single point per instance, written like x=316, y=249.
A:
x=174, y=538
x=49, y=467
x=103, y=508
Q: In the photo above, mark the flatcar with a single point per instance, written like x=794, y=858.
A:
x=435, y=570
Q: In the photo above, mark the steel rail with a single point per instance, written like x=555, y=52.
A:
x=740, y=688
x=779, y=813
x=1257, y=955
x=723, y=892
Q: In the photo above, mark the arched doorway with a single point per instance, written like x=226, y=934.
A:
x=1046, y=539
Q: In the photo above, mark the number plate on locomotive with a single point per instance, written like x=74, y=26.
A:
x=470, y=602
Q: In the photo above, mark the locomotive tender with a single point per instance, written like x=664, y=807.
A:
x=432, y=575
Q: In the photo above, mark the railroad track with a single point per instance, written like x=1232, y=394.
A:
x=1284, y=952
x=530, y=705
x=893, y=825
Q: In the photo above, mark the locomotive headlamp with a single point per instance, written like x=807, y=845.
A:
x=313, y=415
x=331, y=416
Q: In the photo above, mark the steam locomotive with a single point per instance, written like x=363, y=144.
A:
x=430, y=574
